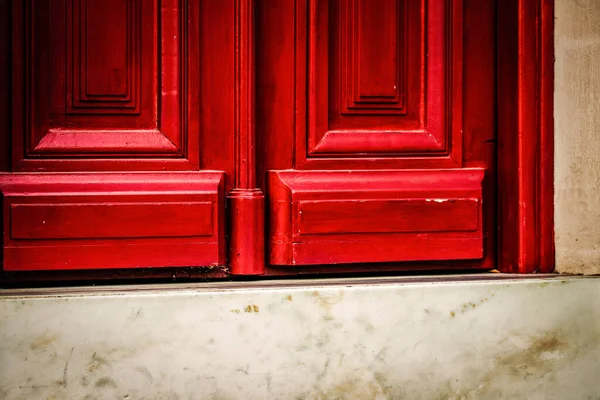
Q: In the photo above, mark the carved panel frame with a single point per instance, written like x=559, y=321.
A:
x=436, y=141
x=134, y=141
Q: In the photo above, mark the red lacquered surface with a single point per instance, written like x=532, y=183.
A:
x=246, y=200
x=349, y=217
x=247, y=232
x=373, y=141
x=90, y=221
x=377, y=124
x=525, y=126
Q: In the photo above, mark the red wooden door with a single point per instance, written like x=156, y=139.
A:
x=120, y=142
x=368, y=127
x=377, y=133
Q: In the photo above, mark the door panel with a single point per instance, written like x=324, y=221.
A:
x=367, y=125
x=112, y=220
x=393, y=132
x=102, y=80
x=334, y=217
x=110, y=100
x=353, y=107
x=419, y=116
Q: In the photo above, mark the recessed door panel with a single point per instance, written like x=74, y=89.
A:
x=333, y=217
x=393, y=101
x=112, y=220
x=383, y=78
x=103, y=79
x=112, y=165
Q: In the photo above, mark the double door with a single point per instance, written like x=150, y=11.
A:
x=268, y=136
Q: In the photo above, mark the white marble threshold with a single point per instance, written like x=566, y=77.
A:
x=412, y=337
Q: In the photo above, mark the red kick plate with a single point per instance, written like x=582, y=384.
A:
x=330, y=217
x=112, y=220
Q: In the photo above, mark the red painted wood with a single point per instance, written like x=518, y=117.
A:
x=374, y=31
x=413, y=248
x=108, y=254
x=106, y=81
x=333, y=217
x=525, y=83
x=126, y=86
x=112, y=220
x=545, y=204
x=246, y=201
x=106, y=70
x=76, y=142
x=342, y=100
x=334, y=71
x=5, y=85
x=247, y=232
x=388, y=216
x=275, y=84
x=211, y=85
x=440, y=123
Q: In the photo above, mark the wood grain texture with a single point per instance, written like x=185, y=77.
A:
x=112, y=220
x=525, y=125
x=323, y=217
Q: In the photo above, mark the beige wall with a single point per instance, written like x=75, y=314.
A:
x=577, y=136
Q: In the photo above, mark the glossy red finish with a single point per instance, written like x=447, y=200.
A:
x=246, y=201
x=338, y=217
x=525, y=125
x=355, y=120
x=124, y=86
x=87, y=85
x=95, y=221
x=350, y=111
x=425, y=114
x=246, y=232
x=5, y=85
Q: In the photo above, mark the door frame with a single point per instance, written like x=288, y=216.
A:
x=525, y=136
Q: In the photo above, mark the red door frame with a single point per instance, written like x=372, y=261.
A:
x=525, y=136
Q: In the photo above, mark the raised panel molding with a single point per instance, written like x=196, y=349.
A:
x=335, y=217
x=384, y=80
x=103, y=57
x=96, y=80
x=111, y=220
x=373, y=47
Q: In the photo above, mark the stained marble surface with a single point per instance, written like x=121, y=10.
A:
x=353, y=339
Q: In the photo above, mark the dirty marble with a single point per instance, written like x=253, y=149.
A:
x=380, y=339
